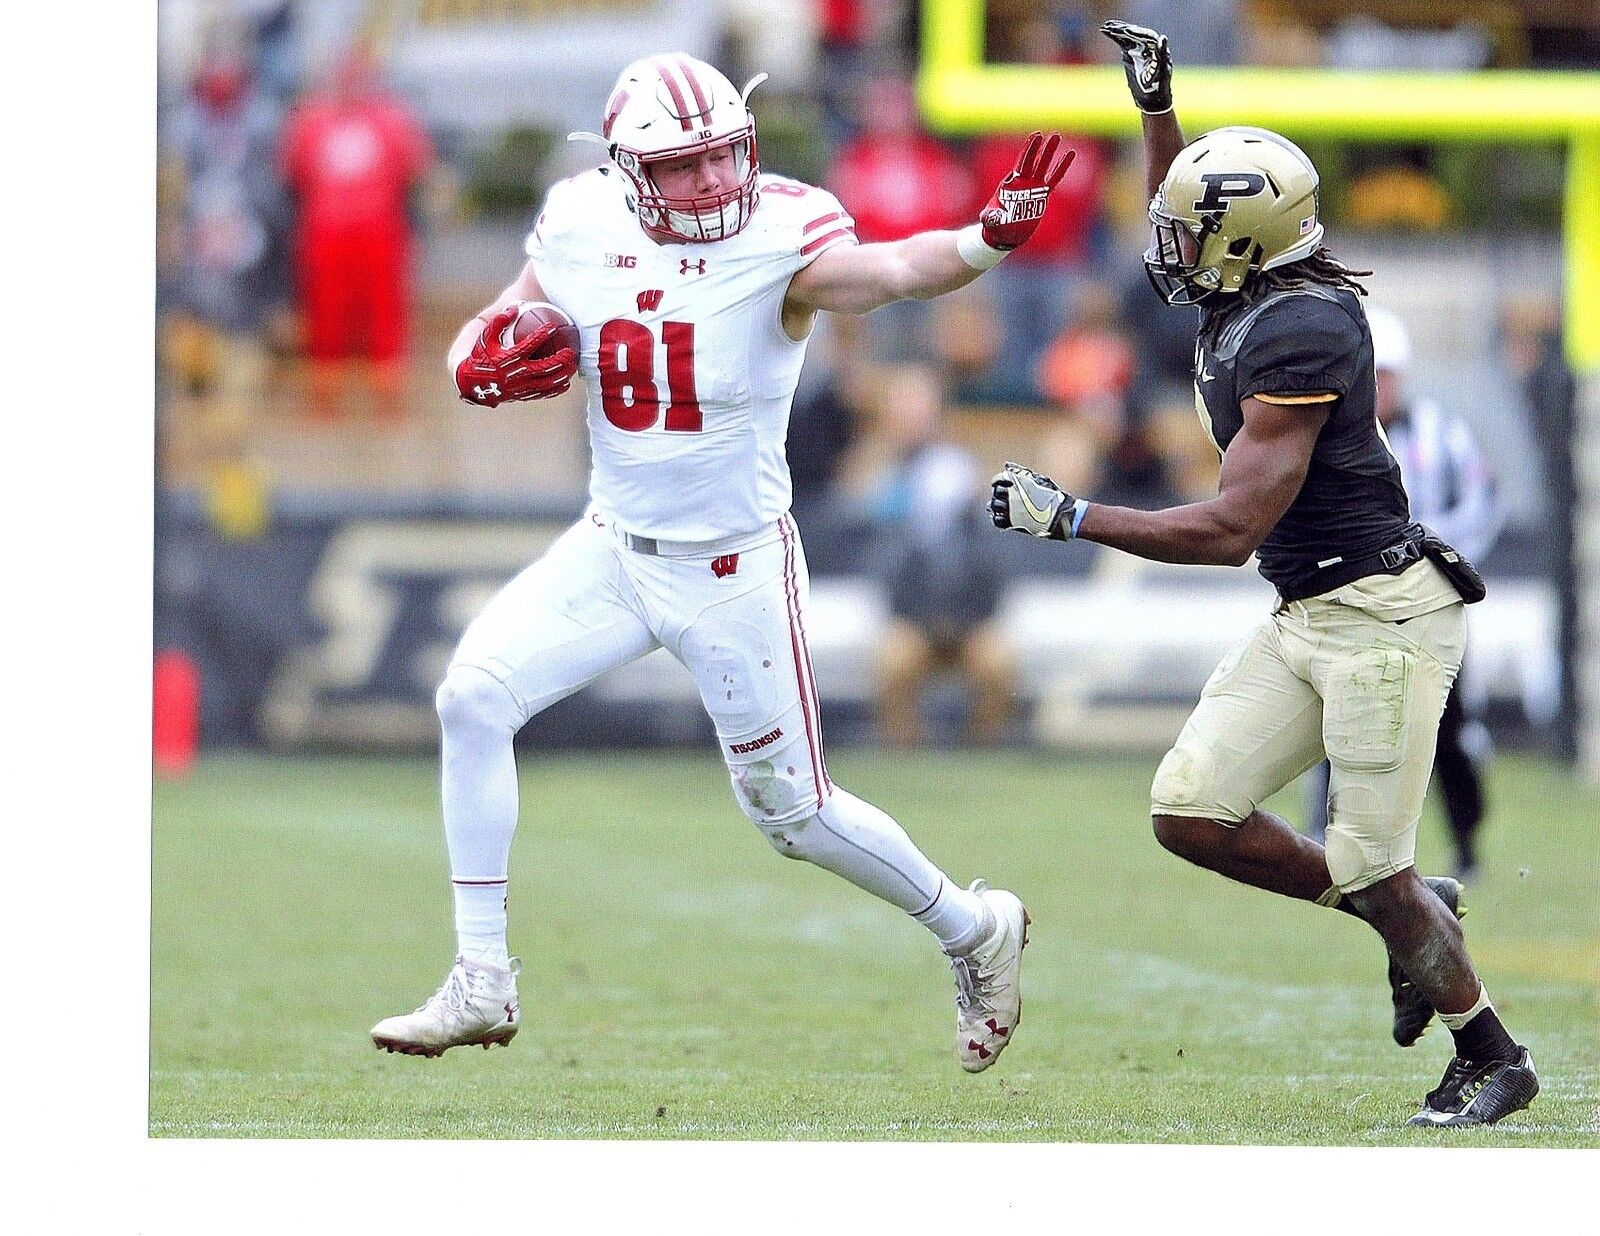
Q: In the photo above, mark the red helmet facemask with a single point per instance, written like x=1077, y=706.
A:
x=700, y=218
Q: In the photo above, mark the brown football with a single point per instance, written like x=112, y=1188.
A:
x=537, y=314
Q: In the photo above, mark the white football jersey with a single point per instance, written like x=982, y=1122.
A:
x=690, y=373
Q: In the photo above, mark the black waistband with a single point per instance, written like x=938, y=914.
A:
x=1391, y=560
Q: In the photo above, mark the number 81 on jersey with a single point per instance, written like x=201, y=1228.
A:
x=628, y=391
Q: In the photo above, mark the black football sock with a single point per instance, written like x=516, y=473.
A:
x=1478, y=1033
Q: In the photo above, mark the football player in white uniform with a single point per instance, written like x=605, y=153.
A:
x=694, y=280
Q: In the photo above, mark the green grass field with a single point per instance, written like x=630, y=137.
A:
x=681, y=980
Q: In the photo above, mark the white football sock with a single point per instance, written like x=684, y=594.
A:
x=854, y=839
x=959, y=918
x=481, y=921
x=479, y=718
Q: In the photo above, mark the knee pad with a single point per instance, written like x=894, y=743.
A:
x=1362, y=843
x=780, y=797
x=777, y=776
x=775, y=791
x=1177, y=783
x=471, y=698
x=1186, y=785
x=1346, y=861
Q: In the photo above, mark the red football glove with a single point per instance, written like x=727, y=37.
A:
x=493, y=374
x=1018, y=204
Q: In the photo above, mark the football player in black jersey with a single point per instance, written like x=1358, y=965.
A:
x=1366, y=639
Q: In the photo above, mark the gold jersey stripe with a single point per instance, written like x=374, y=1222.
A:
x=1317, y=397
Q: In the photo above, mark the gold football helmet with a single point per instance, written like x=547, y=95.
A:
x=1236, y=201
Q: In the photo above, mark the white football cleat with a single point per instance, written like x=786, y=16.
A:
x=988, y=983
x=476, y=1004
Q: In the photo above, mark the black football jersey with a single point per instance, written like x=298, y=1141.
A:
x=1303, y=340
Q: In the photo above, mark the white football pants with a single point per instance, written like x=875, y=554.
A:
x=734, y=615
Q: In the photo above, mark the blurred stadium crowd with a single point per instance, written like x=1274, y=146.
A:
x=343, y=182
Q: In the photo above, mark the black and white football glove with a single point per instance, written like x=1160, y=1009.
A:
x=1024, y=501
x=1147, y=64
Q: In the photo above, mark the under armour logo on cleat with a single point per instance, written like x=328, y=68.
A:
x=483, y=392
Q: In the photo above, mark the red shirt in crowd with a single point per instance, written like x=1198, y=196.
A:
x=840, y=22
x=896, y=186
x=351, y=156
x=352, y=161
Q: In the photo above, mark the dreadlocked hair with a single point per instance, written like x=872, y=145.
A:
x=1319, y=267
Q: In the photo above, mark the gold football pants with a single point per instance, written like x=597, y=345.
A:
x=1359, y=674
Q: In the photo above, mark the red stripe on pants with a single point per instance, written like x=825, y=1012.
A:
x=791, y=590
x=811, y=673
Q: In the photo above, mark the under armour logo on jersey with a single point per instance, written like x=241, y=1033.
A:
x=724, y=565
x=484, y=392
x=699, y=266
x=650, y=300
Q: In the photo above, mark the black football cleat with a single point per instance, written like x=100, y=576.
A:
x=1473, y=1093
x=1412, y=1010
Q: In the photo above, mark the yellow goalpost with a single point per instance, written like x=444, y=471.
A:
x=959, y=93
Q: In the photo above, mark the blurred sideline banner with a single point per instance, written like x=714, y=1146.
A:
x=480, y=66
x=333, y=628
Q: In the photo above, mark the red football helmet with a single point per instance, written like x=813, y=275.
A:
x=672, y=106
